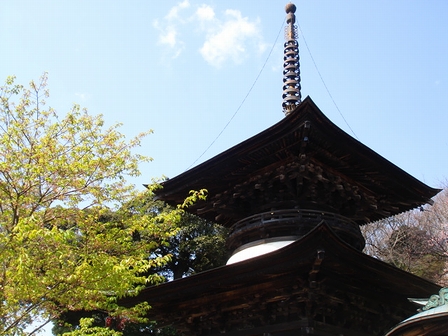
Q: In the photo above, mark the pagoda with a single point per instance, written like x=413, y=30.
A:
x=294, y=197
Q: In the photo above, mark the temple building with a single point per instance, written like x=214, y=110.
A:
x=294, y=197
x=432, y=319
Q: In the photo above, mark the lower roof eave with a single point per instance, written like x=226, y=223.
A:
x=339, y=260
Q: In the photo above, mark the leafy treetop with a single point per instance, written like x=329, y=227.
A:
x=60, y=175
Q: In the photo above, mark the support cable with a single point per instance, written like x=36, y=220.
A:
x=325, y=85
x=244, y=99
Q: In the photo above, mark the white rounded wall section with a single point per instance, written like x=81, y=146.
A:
x=260, y=247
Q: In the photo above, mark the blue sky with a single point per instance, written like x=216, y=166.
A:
x=183, y=68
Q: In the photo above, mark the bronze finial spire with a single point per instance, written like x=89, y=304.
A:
x=291, y=66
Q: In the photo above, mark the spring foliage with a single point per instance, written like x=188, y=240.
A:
x=415, y=241
x=60, y=175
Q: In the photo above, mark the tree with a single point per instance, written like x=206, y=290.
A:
x=196, y=246
x=60, y=177
x=415, y=241
x=411, y=248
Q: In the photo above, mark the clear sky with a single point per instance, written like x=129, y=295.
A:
x=183, y=68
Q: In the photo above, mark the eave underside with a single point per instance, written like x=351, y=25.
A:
x=318, y=285
x=304, y=161
x=431, y=325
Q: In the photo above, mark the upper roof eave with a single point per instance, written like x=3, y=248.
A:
x=209, y=174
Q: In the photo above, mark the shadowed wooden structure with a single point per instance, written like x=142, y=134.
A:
x=304, y=162
x=316, y=286
x=303, y=177
x=298, y=190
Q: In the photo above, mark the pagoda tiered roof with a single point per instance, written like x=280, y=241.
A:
x=318, y=285
x=304, y=161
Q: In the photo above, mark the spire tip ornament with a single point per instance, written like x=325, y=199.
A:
x=290, y=8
